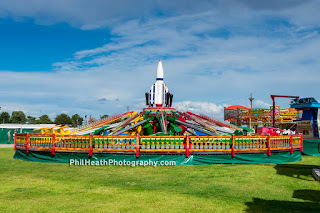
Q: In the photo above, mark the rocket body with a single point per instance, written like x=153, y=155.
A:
x=159, y=94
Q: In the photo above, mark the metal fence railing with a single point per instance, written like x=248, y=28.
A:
x=157, y=144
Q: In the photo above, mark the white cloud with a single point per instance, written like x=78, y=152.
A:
x=207, y=108
x=138, y=107
x=261, y=104
x=95, y=14
x=200, y=107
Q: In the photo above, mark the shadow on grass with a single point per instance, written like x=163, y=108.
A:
x=260, y=205
x=308, y=195
x=295, y=170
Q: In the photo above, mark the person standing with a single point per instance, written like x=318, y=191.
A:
x=9, y=136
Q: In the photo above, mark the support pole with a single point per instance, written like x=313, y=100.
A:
x=301, y=143
x=53, y=148
x=232, y=144
x=273, y=112
x=91, y=145
x=187, y=147
x=268, y=145
x=27, y=148
x=138, y=146
x=154, y=125
x=251, y=99
x=291, y=144
x=15, y=141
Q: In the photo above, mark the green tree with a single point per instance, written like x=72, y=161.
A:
x=104, y=116
x=76, y=119
x=31, y=120
x=4, y=117
x=18, y=117
x=63, y=119
x=44, y=119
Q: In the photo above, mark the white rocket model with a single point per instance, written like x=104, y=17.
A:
x=159, y=94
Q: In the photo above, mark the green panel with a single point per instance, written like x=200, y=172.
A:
x=177, y=129
x=281, y=157
x=237, y=132
x=172, y=119
x=310, y=147
x=173, y=129
x=246, y=128
x=98, y=130
x=148, y=129
x=4, y=136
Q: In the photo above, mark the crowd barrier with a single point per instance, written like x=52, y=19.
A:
x=185, y=145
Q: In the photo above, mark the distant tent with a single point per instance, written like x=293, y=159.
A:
x=231, y=112
x=235, y=107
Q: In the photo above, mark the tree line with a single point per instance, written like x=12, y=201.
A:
x=19, y=117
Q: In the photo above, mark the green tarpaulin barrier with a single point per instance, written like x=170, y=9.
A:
x=4, y=134
x=62, y=157
x=310, y=147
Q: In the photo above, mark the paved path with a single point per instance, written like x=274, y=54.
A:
x=6, y=145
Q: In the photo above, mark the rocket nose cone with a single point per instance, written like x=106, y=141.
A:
x=160, y=71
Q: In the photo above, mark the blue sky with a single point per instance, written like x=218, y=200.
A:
x=45, y=44
x=98, y=57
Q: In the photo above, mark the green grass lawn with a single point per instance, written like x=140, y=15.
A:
x=52, y=187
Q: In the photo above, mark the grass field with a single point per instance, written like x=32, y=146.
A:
x=49, y=187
